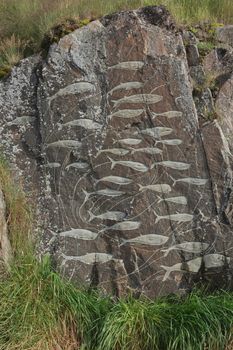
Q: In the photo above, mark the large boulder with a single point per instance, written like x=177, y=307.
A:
x=132, y=194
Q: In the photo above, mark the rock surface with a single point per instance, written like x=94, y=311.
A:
x=133, y=192
x=225, y=34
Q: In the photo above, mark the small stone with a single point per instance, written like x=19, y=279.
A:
x=198, y=75
x=225, y=34
x=192, y=55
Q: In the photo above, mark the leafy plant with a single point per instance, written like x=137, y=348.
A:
x=205, y=47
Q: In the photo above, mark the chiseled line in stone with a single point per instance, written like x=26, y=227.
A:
x=182, y=217
x=90, y=258
x=118, y=180
x=127, y=86
x=128, y=65
x=109, y=215
x=172, y=165
x=72, y=89
x=129, y=164
x=140, y=98
x=193, y=266
x=21, y=120
x=52, y=165
x=178, y=200
x=85, y=123
x=147, y=150
x=108, y=192
x=155, y=132
x=169, y=114
x=116, y=151
x=162, y=188
x=79, y=234
x=129, y=141
x=126, y=113
x=123, y=226
x=150, y=239
x=77, y=165
x=171, y=142
x=209, y=260
x=192, y=181
x=65, y=144
x=188, y=247
x=215, y=260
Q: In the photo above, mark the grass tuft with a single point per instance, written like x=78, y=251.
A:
x=195, y=323
x=39, y=309
x=23, y=23
x=11, y=52
x=19, y=212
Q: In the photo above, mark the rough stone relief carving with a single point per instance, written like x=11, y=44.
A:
x=128, y=198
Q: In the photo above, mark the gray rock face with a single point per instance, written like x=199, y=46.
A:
x=193, y=56
x=225, y=34
x=225, y=110
x=132, y=194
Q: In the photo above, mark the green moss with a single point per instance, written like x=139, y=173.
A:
x=205, y=47
x=211, y=115
x=60, y=30
x=4, y=71
x=84, y=22
x=192, y=30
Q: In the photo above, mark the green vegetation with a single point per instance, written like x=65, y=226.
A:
x=23, y=23
x=19, y=213
x=41, y=311
x=204, y=47
x=11, y=52
x=169, y=324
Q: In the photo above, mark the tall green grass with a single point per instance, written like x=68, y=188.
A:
x=197, y=322
x=31, y=19
x=40, y=311
x=26, y=22
x=18, y=211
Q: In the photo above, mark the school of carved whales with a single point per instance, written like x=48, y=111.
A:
x=133, y=190
x=96, y=222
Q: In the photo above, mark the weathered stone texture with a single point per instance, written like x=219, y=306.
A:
x=225, y=34
x=133, y=194
x=225, y=110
